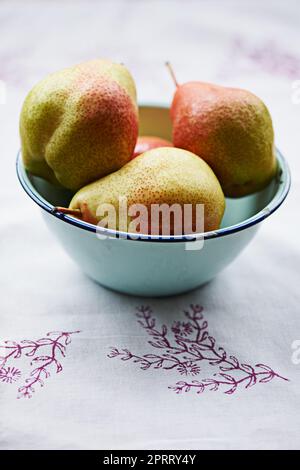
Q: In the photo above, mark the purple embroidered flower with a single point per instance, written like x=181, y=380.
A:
x=176, y=327
x=188, y=368
x=182, y=328
x=9, y=375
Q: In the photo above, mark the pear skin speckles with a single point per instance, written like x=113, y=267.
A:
x=163, y=175
x=80, y=123
x=231, y=129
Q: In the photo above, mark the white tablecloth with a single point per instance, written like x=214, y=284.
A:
x=110, y=385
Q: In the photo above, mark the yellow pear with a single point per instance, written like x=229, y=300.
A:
x=159, y=176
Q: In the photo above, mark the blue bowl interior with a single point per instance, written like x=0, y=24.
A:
x=154, y=120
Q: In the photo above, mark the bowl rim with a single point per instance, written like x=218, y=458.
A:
x=284, y=184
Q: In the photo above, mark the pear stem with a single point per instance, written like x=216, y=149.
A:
x=66, y=210
x=171, y=71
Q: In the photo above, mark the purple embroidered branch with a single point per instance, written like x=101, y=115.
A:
x=225, y=379
x=192, y=344
x=184, y=353
x=49, y=349
x=147, y=322
x=167, y=360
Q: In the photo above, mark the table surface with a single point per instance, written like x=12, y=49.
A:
x=109, y=387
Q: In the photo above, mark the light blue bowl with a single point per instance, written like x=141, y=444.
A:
x=158, y=266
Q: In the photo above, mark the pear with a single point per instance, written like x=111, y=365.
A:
x=80, y=123
x=148, y=142
x=160, y=176
x=231, y=129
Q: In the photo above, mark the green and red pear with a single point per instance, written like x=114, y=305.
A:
x=231, y=129
x=80, y=124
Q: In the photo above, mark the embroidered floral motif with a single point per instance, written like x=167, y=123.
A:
x=45, y=353
x=191, y=345
x=9, y=374
x=268, y=57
